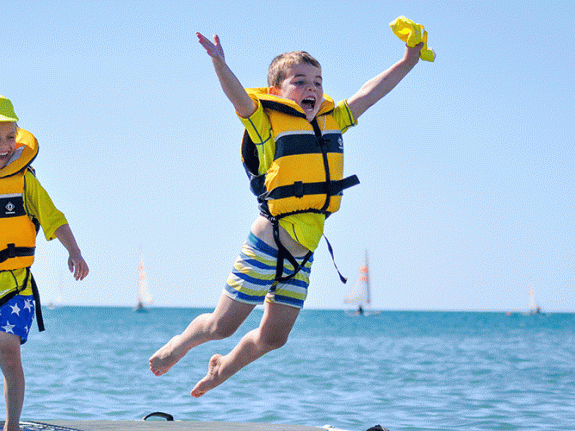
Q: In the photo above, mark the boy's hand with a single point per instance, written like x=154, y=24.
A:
x=231, y=86
x=78, y=266
x=411, y=55
x=214, y=49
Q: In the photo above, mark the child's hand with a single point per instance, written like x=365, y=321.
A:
x=232, y=87
x=412, y=54
x=78, y=267
x=214, y=49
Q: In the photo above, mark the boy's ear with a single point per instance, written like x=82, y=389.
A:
x=275, y=91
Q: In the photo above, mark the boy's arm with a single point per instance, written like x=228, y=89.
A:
x=76, y=262
x=232, y=87
x=377, y=87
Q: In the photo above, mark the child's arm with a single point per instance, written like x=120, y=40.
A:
x=377, y=87
x=232, y=87
x=76, y=262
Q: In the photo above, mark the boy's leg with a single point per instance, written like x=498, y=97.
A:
x=221, y=323
x=14, y=384
x=273, y=332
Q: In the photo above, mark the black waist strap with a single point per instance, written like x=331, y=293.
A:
x=299, y=188
x=12, y=251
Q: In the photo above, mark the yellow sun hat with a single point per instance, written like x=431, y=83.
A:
x=7, y=110
x=412, y=34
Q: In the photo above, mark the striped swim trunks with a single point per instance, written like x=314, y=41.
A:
x=253, y=276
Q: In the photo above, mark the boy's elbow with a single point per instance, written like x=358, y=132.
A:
x=245, y=113
x=246, y=109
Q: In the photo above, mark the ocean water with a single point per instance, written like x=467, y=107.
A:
x=403, y=370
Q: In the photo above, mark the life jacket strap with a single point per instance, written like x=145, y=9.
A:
x=283, y=253
x=8, y=297
x=299, y=189
x=330, y=249
x=12, y=251
x=36, y=294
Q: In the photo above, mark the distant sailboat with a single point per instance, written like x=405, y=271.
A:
x=361, y=292
x=59, y=301
x=534, y=307
x=144, y=296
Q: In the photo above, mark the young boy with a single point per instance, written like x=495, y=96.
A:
x=24, y=207
x=292, y=151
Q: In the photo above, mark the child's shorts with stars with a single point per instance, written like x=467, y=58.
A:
x=17, y=315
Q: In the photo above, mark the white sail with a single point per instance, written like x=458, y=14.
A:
x=144, y=296
x=361, y=292
x=59, y=300
x=534, y=307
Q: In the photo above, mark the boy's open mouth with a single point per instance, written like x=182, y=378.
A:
x=308, y=104
x=4, y=157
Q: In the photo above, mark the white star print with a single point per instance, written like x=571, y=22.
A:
x=28, y=305
x=8, y=327
x=15, y=309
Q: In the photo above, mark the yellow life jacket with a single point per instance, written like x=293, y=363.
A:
x=306, y=174
x=17, y=230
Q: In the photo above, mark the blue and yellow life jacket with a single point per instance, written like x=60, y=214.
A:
x=306, y=175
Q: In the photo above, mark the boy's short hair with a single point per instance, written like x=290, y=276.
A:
x=280, y=66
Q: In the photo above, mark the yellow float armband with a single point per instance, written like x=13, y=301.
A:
x=412, y=34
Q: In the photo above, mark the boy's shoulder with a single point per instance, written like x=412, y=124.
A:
x=30, y=170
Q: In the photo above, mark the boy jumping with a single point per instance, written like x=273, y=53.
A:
x=293, y=153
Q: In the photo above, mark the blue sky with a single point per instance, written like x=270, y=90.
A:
x=466, y=168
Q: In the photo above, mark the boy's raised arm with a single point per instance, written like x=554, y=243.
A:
x=232, y=87
x=377, y=87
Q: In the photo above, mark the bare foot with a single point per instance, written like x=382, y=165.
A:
x=212, y=379
x=11, y=426
x=167, y=356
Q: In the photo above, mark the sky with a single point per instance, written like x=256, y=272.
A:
x=466, y=167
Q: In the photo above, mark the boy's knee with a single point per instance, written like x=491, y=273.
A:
x=9, y=358
x=274, y=342
x=220, y=331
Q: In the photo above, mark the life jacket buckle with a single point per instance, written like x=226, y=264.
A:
x=11, y=250
x=298, y=189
